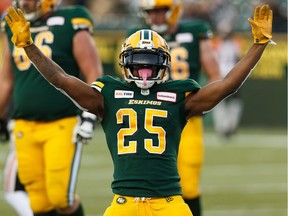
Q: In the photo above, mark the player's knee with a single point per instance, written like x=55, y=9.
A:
x=190, y=192
x=190, y=186
x=40, y=204
x=196, y=163
x=74, y=209
x=57, y=197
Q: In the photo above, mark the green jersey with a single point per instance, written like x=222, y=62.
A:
x=142, y=129
x=33, y=97
x=185, y=48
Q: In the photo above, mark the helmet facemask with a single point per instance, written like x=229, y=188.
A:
x=144, y=64
x=151, y=66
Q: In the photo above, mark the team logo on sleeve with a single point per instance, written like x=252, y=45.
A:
x=167, y=96
x=123, y=94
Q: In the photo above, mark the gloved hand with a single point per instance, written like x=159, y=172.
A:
x=19, y=27
x=4, y=133
x=262, y=25
x=86, y=128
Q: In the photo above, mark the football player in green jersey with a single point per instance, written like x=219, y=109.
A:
x=49, y=129
x=191, y=53
x=143, y=115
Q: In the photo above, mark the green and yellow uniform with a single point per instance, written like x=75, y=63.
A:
x=45, y=119
x=185, y=63
x=157, y=116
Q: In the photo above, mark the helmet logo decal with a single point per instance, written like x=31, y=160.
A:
x=146, y=39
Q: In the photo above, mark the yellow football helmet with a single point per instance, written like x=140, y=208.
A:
x=173, y=14
x=145, y=58
x=41, y=8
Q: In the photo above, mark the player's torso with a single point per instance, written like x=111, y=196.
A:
x=33, y=97
x=143, y=133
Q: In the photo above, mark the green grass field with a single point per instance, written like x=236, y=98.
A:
x=243, y=176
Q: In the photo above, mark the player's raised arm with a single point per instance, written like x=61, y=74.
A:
x=207, y=97
x=53, y=73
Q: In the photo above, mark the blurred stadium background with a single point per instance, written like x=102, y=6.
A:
x=245, y=175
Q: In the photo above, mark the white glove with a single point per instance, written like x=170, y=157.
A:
x=86, y=128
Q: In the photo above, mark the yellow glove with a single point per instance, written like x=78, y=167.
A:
x=19, y=27
x=262, y=24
